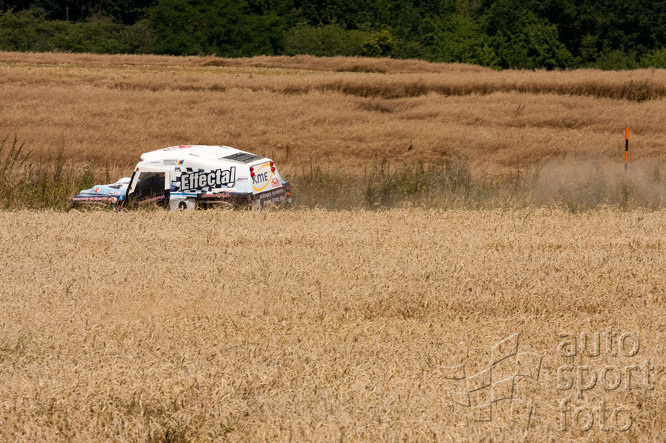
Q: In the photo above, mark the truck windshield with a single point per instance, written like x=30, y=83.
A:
x=150, y=184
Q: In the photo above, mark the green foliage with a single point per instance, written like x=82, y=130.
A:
x=125, y=12
x=221, y=27
x=98, y=34
x=138, y=37
x=327, y=40
x=379, y=44
x=24, y=31
x=655, y=59
x=530, y=34
x=458, y=38
x=615, y=60
x=27, y=31
x=521, y=39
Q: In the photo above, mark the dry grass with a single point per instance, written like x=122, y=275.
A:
x=335, y=112
x=311, y=325
x=315, y=325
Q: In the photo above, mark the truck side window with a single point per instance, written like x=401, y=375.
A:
x=150, y=184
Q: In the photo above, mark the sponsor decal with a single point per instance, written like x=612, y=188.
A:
x=275, y=196
x=199, y=180
x=180, y=162
x=262, y=177
x=241, y=179
x=275, y=182
x=97, y=189
x=170, y=161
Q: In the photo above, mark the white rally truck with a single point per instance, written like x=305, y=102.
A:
x=197, y=176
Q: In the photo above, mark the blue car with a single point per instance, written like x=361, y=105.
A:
x=103, y=195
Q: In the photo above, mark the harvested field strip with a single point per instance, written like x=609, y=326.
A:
x=312, y=324
x=635, y=86
x=388, y=89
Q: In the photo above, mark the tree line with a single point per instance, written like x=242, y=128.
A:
x=528, y=34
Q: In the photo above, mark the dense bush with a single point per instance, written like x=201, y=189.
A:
x=222, y=27
x=530, y=34
x=333, y=39
x=28, y=31
x=328, y=40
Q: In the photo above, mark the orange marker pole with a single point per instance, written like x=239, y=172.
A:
x=626, y=150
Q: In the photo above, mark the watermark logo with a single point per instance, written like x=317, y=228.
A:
x=592, y=368
x=506, y=380
x=592, y=376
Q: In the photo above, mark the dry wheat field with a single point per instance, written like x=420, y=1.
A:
x=312, y=325
x=335, y=113
x=530, y=322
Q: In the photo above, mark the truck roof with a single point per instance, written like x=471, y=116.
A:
x=215, y=153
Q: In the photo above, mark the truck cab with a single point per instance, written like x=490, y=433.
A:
x=193, y=176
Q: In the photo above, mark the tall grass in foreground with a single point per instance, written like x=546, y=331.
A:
x=572, y=184
x=28, y=184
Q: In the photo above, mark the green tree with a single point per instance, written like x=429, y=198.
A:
x=521, y=39
x=29, y=31
x=98, y=34
x=458, y=38
x=655, y=59
x=222, y=27
x=379, y=44
x=22, y=31
x=349, y=14
x=327, y=40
